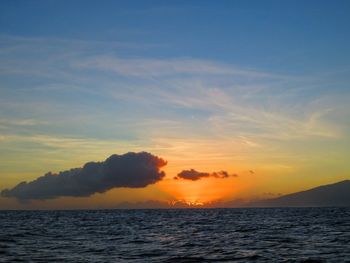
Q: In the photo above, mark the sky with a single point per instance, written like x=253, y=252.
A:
x=213, y=100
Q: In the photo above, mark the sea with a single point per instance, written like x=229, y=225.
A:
x=177, y=235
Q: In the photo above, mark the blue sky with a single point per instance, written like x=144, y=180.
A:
x=234, y=85
x=288, y=36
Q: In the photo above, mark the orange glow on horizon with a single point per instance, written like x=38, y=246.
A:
x=203, y=191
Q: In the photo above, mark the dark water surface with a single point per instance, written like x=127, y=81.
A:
x=198, y=235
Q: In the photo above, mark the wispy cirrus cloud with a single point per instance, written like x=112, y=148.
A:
x=150, y=67
x=161, y=102
x=20, y=122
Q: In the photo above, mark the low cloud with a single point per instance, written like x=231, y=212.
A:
x=195, y=175
x=134, y=170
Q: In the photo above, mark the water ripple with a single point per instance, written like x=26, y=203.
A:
x=199, y=235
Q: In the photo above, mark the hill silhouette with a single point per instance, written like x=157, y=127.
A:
x=337, y=194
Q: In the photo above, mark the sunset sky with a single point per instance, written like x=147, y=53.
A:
x=255, y=90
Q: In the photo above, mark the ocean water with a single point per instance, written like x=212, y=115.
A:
x=177, y=235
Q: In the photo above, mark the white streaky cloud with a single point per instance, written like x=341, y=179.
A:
x=11, y=43
x=142, y=67
x=75, y=144
x=229, y=112
x=21, y=122
x=232, y=102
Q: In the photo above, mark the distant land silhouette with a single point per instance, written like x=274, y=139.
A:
x=337, y=194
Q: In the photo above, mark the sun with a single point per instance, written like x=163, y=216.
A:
x=200, y=192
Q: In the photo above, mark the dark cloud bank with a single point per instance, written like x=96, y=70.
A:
x=195, y=175
x=132, y=170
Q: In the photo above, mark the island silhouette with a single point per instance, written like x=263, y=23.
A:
x=337, y=194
